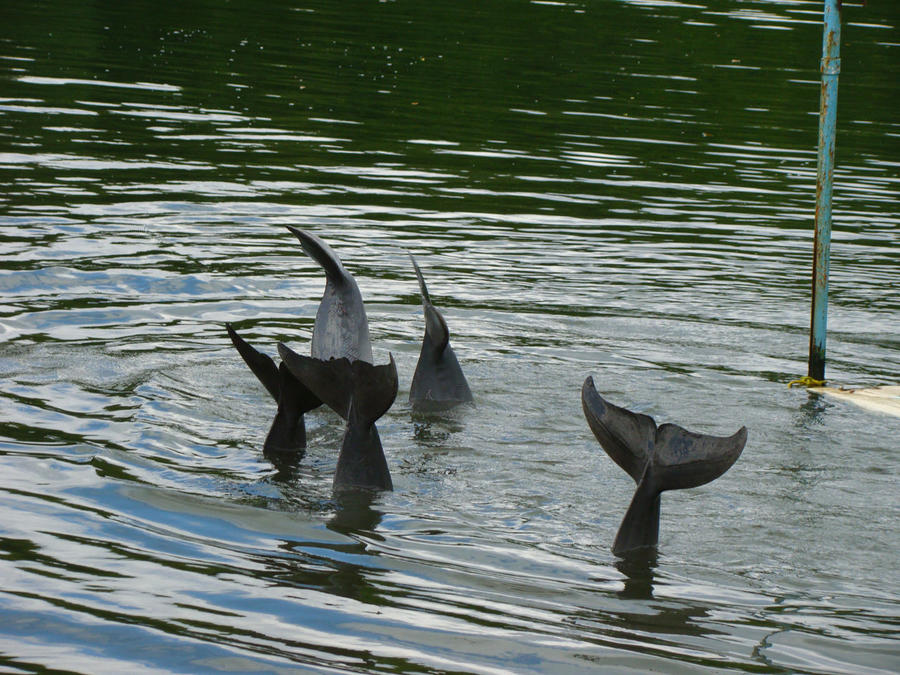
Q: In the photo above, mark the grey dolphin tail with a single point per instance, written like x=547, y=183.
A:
x=360, y=393
x=331, y=381
x=661, y=458
x=341, y=328
x=287, y=434
x=439, y=381
x=261, y=364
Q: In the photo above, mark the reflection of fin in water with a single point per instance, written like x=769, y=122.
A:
x=360, y=393
x=438, y=382
x=661, y=458
x=287, y=435
x=638, y=567
x=354, y=512
x=341, y=327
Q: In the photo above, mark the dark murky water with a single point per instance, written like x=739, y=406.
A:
x=622, y=189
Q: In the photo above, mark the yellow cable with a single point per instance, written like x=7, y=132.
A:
x=807, y=381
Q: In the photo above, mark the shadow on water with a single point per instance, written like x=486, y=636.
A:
x=812, y=412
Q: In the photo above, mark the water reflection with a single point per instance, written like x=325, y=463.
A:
x=354, y=512
x=638, y=566
x=649, y=624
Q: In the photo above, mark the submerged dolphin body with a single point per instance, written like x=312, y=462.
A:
x=341, y=328
x=361, y=463
x=438, y=382
x=288, y=431
x=661, y=458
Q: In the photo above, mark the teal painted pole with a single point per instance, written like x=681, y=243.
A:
x=831, y=68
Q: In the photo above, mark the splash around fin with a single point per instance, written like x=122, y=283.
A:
x=658, y=458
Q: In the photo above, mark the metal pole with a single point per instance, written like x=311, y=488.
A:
x=831, y=68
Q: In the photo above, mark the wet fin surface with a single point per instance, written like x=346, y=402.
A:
x=438, y=382
x=287, y=433
x=372, y=389
x=262, y=365
x=341, y=328
x=667, y=457
x=322, y=253
x=640, y=525
x=627, y=437
x=331, y=381
x=360, y=393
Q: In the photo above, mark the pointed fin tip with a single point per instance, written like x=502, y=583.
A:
x=422, y=287
x=322, y=253
x=627, y=437
x=261, y=364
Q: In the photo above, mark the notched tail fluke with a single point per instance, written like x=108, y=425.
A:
x=360, y=393
x=667, y=457
x=331, y=381
x=374, y=390
x=344, y=385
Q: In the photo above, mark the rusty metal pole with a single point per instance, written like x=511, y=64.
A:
x=831, y=68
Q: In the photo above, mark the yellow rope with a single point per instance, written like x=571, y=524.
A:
x=807, y=381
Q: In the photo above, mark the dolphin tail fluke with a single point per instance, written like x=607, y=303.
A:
x=321, y=252
x=262, y=365
x=331, y=381
x=344, y=385
x=627, y=437
x=667, y=457
x=374, y=389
